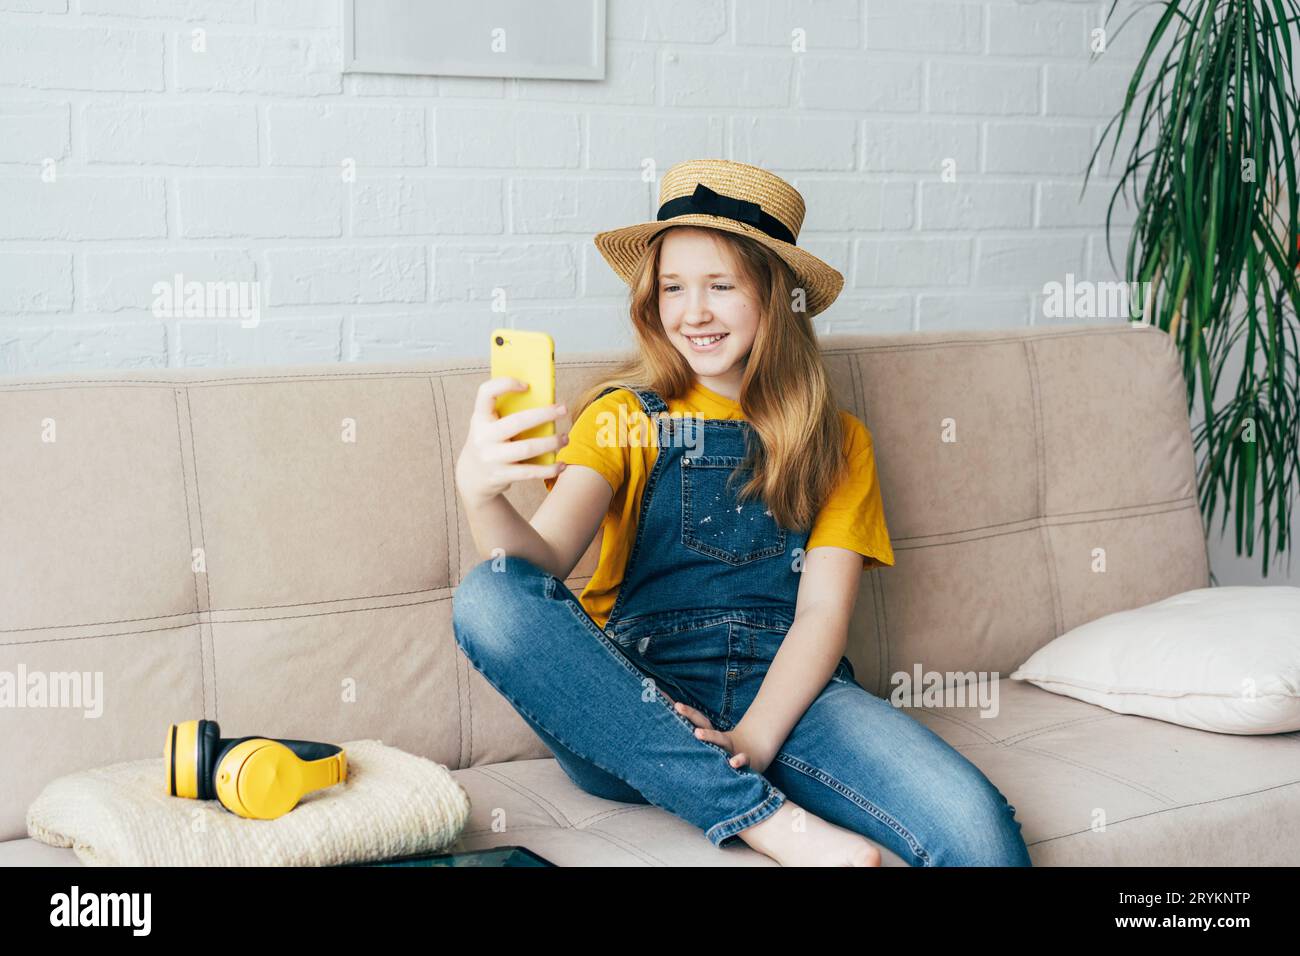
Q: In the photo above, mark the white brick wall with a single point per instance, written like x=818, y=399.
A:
x=382, y=216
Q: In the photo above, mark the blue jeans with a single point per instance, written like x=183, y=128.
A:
x=852, y=758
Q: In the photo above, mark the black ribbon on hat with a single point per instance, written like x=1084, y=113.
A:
x=705, y=200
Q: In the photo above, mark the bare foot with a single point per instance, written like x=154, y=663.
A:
x=795, y=837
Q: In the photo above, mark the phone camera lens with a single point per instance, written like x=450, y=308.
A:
x=500, y=340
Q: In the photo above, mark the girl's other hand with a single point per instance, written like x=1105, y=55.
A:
x=487, y=465
x=704, y=731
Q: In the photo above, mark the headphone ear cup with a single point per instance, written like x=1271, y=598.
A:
x=261, y=780
x=181, y=759
x=209, y=738
x=219, y=751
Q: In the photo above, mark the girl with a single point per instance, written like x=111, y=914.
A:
x=703, y=669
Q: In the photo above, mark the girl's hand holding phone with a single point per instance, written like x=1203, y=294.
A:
x=488, y=464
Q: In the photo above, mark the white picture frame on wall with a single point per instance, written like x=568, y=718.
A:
x=543, y=39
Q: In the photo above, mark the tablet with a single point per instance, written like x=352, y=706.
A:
x=496, y=856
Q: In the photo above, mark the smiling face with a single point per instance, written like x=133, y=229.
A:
x=702, y=294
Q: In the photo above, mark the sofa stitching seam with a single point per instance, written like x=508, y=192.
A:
x=1177, y=806
x=556, y=813
x=450, y=513
x=203, y=542
x=463, y=690
x=189, y=534
x=255, y=607
x=585, y=826
x=873, y=581
x=466, y=705
x=973, y=728
x=1030, y=734
x=1040, y=521
x=1040, y=447
x=208, y=619
x=1120, y=778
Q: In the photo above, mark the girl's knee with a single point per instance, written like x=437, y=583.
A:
x=490, y=595
x=493, y=581
x=989, y=835
x=499, y=570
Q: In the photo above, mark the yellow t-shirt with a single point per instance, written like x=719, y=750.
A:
x=852, y=517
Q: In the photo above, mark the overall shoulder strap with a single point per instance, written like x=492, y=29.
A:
x=650, y=401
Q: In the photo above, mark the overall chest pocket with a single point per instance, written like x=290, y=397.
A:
x=715, y=522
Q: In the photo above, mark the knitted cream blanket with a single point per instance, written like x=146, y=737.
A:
x=392, y=804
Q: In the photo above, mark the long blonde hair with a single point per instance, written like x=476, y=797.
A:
x=785, y=393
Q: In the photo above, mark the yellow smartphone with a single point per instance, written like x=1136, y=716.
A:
x=529, y=357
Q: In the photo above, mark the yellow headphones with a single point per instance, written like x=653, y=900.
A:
x=254, y=777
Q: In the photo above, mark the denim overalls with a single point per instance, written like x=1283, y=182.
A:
x=708, y=596
x=711, y=582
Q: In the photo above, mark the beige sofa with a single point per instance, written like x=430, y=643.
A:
x=329, y=563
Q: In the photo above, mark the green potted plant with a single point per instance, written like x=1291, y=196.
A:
x=1213, y=168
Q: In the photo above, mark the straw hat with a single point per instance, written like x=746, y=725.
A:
x=734, y=197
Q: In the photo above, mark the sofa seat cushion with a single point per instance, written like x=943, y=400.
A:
x=1090, y=787
x=1096, y=788
x=29, y=852
x=533, y=803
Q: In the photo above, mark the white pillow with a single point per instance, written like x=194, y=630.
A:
x=1223, y=659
